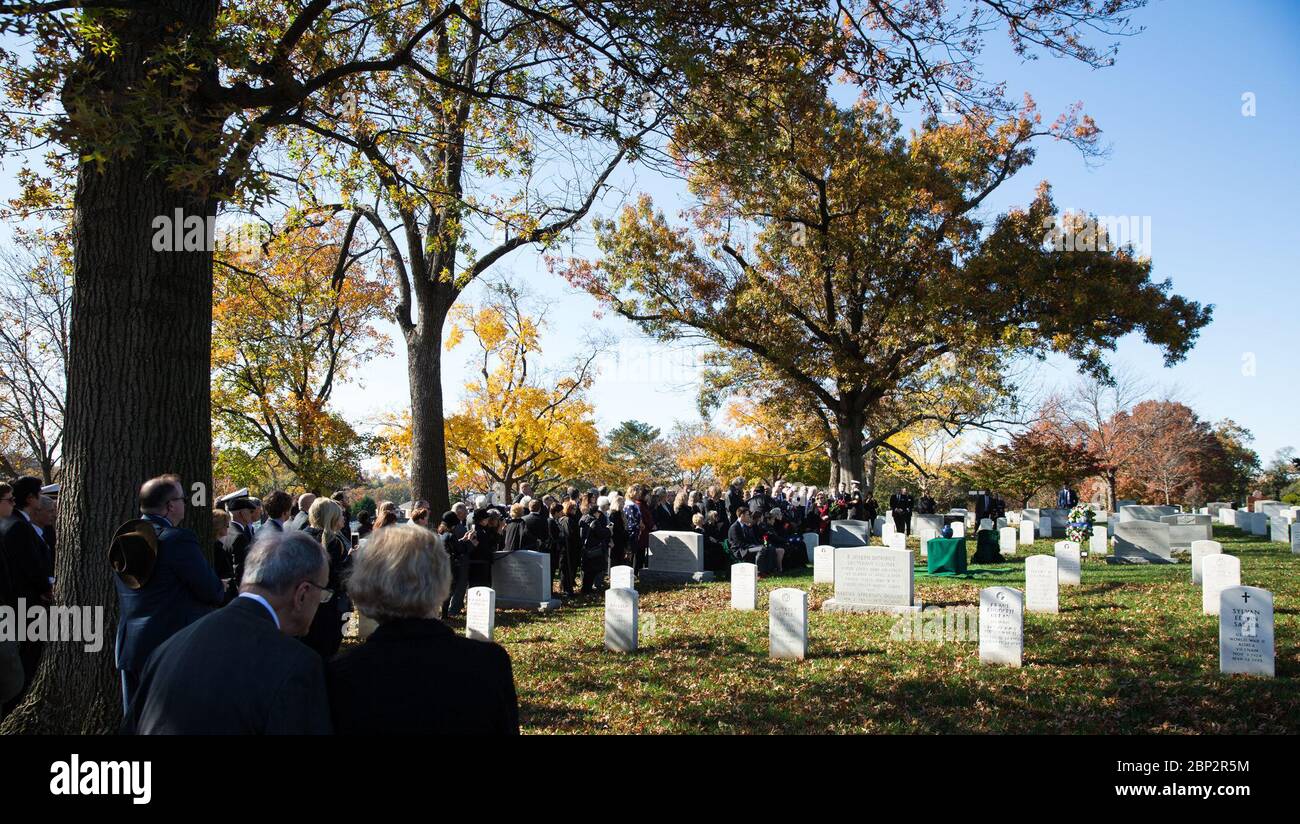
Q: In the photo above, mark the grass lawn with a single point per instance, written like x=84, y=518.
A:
x=1130, y=652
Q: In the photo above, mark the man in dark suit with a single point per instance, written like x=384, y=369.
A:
x=745, y=544
x=240, y=670
x=31, y=571
x=537, y=527
x=900, y=506
x=277, y=508
x=182, y=588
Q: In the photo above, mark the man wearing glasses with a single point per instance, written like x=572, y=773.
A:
x=241, y=670
x=182, y=588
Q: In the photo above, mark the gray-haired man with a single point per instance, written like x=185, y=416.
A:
x=240, y=670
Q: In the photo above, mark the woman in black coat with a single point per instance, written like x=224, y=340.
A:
x=414, y=675
x=618, y=534
x=595, y=530
x=484, y=540
x=515, y=529
x=571, y=530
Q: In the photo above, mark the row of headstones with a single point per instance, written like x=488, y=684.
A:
x=1277, y=523
x=1245, y=628
x=1245, y=613
x=787, y=614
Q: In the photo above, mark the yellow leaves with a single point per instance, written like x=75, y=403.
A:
x=454, y=336
x=517, y=420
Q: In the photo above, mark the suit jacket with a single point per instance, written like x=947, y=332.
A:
x=26, y=556
x=538, y=530
x=515, y=538
x=182, y=589
x=231, y=673
x=236, y=544
x=741, y=536
x=417, y=677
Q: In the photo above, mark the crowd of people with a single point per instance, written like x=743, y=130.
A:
x=269, y=609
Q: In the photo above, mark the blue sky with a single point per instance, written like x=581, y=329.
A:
x=1218, y=188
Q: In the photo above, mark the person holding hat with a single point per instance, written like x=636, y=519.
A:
x=163, y=581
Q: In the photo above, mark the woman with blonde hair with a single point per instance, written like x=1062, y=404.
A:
x=414, y=675
x=324, y=523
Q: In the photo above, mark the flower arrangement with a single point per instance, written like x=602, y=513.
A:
x=1079, y=529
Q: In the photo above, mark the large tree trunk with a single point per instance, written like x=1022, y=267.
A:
x=137, y=389
x=849, y=453
x=428, y=439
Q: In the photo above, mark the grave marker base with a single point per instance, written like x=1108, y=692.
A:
x=650, y=576
x=833, y=605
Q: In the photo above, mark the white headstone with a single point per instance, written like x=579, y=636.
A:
x=1246, y=631
x=849, y=532
x=744, y=586
x=923, y=522
x=1145, y=513
x=787, y=624
x=1185, y=528
x=985, y=525
x=898, y=541
x=480, y=613
x=1002, y=626
x=824, y=565
x=1200, y=549
x=958, y=529
x=1218, y=572
x=873, y=579
x=924, y=537
x=622, y=577
x=1008, y=538
x=1295, y=541
x=1228, y=516
x=523, y=579
x=1279, y=529
x=1258, y=523
x=1138, y=541
x=1041, y=584
x=1026, y=532
x=886, y=530
x=1068, y=564
x=1099, y=543
x=676, y=556
x=622, y=608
